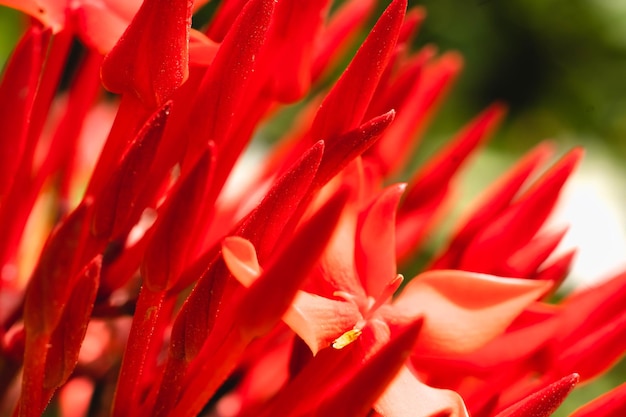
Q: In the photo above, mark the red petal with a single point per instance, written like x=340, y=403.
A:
x=101, y=25
x=440, y=169
x=408, y=396
x=227, y=83
x=141, y=338
x=115, y=211
x=611, y=404
x=402, y=89
x=291, y=39
x=429, y=187
x=52, y=281
x=525, y=262
x=412, y=23
x=595, y=352
x=344, y=22
x=375, y=251
x=543, y=402
x=224, y=19
x=350, y=145
x=521, y=220
x=283, y=205
x=493, y=202
x=17, y=95
x=464, y=310
x=556, y=270
x=345, y=105
x=240, y=258
x=318, y=320
x=426, y=91
x=67, y=338
x=587, y=310
x=151, y=59
x=170, y=246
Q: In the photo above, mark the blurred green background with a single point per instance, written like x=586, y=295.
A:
x=560, y=65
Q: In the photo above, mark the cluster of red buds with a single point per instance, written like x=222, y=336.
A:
x=139, y=279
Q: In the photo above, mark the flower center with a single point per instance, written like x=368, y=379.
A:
x=367, y=306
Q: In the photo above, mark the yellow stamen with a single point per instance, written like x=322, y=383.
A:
x=346, y=338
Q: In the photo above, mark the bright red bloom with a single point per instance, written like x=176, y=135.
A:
x=153, y=286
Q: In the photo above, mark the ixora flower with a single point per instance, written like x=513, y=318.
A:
x=137, y=281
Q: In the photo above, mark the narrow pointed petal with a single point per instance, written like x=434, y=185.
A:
x=557, y=269
x=525, y=262
x=50, y=292
x=291, y=39
x=343, y=23
x=464, y=310
x=400, y=91
x=611, y=404
x=168, y=250
x=415, y=110
x=344, y=107
x=67, y=338
x=543, y=402
x=350, y=145
x=283, y=204
x=407, y=396
x=521, y=220
x=412, y=22
x=142, y=335
x=17, y=95
x=589, y=309
x=375, y=251
x=115, y=210
x=224, y=19
x=439, y=171
x=429, y=188
x=52, y=281
x=595, y=352
x=151, y=59
x=491, y=203
x=227, y=81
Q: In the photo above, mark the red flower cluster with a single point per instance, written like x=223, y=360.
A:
x=138, y=284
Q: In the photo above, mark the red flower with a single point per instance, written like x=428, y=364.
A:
x=145, y=283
